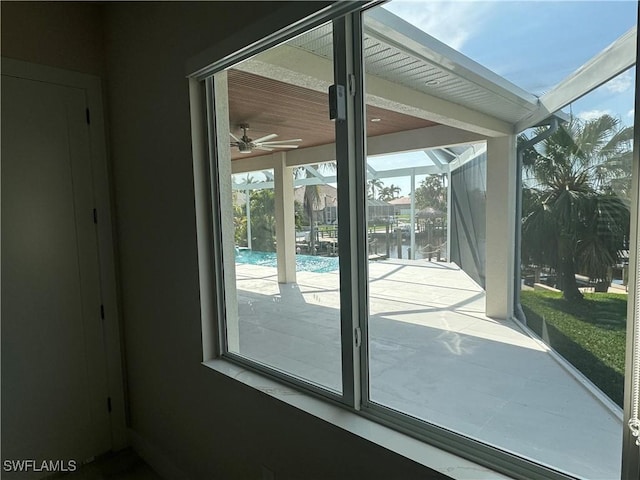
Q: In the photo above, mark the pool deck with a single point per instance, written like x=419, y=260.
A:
x=436, y=356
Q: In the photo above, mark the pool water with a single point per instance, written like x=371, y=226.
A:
x=304, y=263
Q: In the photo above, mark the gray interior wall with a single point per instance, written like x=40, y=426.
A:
x=207, y=425
x=56, y=34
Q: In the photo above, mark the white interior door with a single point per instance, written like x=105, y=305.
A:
x=54, y=377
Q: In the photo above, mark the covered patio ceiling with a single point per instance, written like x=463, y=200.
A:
x=291, y=111
x=425, y=93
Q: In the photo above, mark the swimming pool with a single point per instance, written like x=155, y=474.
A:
x=304, y=263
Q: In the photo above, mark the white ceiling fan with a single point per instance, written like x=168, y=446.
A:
x=247, y=145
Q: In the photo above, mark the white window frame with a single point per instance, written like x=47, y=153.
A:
x=450, y=453
x=630, y=445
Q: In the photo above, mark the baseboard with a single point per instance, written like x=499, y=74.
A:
x=155, y=457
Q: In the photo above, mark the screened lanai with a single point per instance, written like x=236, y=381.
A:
x=444, y=341
x=463, y=167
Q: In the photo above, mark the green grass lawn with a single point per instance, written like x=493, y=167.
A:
x=589, y=334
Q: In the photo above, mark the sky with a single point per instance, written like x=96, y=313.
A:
x=533, y=44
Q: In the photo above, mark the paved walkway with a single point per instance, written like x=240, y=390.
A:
x=435, y=356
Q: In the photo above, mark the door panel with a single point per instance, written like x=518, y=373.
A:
x=54, y=387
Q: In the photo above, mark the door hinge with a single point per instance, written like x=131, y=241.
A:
x=352, y=84
x=358, y=337
x=95, y=216
x=109, y=404
x=88, y=116
x=102, y=312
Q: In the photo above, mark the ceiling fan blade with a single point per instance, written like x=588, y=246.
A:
x=234, y=137
x=281, y=146
x=276, y=142
x=260, y=147
x=266, y=137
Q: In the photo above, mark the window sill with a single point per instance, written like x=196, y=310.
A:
x=432, y=457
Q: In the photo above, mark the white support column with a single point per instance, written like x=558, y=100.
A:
x=247, y=200
x=500, y=242
x=285, y=219
x=449, y=212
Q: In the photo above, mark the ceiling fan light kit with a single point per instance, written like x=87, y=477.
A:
x=245, y=144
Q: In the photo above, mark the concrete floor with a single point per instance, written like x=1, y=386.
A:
x=435, y=356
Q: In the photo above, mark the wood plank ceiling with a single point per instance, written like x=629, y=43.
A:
x=270, y=106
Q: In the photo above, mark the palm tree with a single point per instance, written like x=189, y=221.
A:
x=573, y=218
x=388, y=193
x=312, y=197
x=242, y=202
x=373, y=185
x=385, y=194
x=263, y=221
